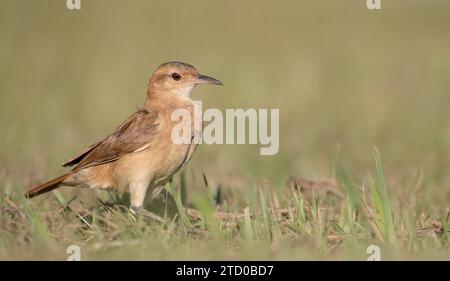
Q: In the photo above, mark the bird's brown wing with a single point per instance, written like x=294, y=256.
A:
x=136, y=133
x=75, y=160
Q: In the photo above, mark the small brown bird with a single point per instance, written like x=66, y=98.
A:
x=140, y=154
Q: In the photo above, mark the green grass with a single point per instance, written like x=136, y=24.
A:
x=344, y=79
x=282, y=224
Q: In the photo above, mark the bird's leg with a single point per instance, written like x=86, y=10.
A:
x=138, y=190
x=137, y=194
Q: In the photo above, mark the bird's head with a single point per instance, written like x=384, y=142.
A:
x=177, y=78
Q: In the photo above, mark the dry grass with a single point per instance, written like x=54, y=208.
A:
x=286, y=223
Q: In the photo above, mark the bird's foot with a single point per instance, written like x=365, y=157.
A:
x=141, y=211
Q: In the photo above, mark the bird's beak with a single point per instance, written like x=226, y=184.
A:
x=203, y=79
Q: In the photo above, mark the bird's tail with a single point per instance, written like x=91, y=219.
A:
x=46, y=187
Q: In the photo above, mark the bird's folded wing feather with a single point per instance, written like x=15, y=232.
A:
x=135, y=134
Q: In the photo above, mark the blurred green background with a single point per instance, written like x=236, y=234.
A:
x=345, y=78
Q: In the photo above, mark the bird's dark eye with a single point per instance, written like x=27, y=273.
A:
x=176, y=76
